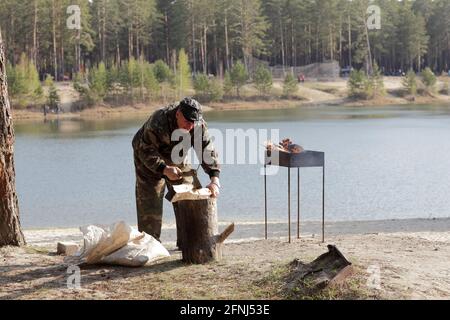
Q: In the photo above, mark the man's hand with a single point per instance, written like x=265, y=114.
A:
x=214, y=186
x=173, y=173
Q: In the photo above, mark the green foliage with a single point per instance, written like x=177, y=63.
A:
x=14, y=85
x=162, y=72
x=24, y=85
x=81, y=85
x=290, y=86
x=363, y=87
x=48, y=82
x=410, y=83
x=446, y=88
x=429, y=80
x=98, y=82
x=134, y=74
x=53, y=99
x=201, y=84
x=183, y=76
x=215, y=90
x=227, y=84
x=263, y=80
x=208, y=89
x=33, y=83
x=114, y=31
x=113, y=75
x=357, y=84
x=251, y=27
x=376, y=83
x=281, y=32
x=124, y=78
x=238, y=76
x=134, y=81
x=150, y=82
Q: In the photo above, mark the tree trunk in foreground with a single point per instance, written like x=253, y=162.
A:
x=198, y=231
x=10, y=231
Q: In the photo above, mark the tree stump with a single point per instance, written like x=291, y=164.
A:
x=198, y=231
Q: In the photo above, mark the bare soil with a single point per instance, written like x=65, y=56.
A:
x=411, y=266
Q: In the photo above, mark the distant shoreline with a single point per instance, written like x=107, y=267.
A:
x=255, y=230
x=314, y=93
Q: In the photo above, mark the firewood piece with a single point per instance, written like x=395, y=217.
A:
x=67, y=248
x=329, y=270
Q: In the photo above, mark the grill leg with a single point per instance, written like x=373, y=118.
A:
x=265, y=200
x=289, y=203
x=323, y=205
x=298, y=203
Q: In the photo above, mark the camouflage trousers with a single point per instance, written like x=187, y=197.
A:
x=149, y=204
x=150, y=190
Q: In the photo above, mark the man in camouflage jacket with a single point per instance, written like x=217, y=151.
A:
x=155, y=165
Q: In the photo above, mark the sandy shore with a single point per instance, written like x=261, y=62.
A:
x=412, y=258
x=253, y=231
x=309, y=94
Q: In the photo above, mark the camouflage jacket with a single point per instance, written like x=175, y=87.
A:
x=153, y=144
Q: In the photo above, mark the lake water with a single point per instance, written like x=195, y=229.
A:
x=382, y=163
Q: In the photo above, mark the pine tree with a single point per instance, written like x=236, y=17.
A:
x=410, y=83
x=263, y=80
x=411, y=36
x=201, y=86
x=150, y=82
x=290, y=86
x=227, y=84
x=53, y=99
x=376, y=82
x=10, y=228
x=429, y=80
x=162, y=72
x=183, y=76
x=357, y=84
x=217, y=33
x=252, y=26
x=24, y=85
x=98, y=79
x=239, y=77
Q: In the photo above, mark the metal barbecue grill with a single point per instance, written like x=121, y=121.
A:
x=305, y=159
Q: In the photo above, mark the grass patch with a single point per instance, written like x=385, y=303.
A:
x=36, y=250
x=274, y=286
x=323, y=88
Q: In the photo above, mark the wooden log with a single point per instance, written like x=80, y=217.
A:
x=198, y=232
x=331, y=269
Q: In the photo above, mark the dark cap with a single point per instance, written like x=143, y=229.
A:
x=191, y=110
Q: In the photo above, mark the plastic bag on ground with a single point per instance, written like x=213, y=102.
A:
x=118, y=244
x=138, y=253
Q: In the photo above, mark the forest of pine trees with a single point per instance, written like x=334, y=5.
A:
x=215, y=34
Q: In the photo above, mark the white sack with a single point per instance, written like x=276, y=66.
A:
x=138, y=253
x=119, y=244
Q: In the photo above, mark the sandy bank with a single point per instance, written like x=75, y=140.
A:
x=248, y=231
x=309, y=94
x=411, y=257
x=411, y=266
